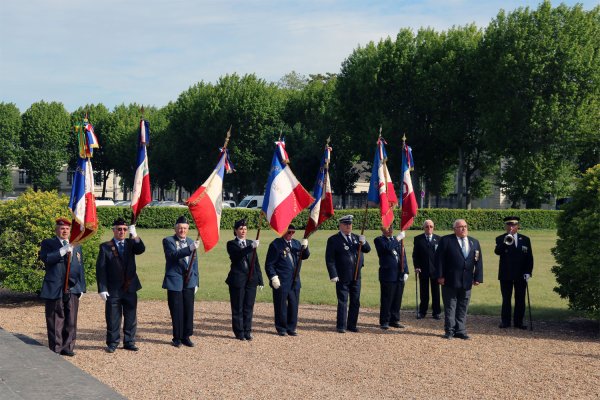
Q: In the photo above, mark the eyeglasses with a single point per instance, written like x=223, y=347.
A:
x=460, y=227
x=121, y=229
x=428, y=226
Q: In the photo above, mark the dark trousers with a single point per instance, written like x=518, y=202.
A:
x=242, y=307
x=391, y=301
x=61, y=323
x=181, y=306
x=506, y=288
x=456, y=304
x=285, y=305
x=424, y=284
x=116, y=307
x=347, y=316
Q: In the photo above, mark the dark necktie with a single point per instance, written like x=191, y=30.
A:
x=242, y=243
x=120, y=247
x=64, y=242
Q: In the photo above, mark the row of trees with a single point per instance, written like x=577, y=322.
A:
x=525, y=90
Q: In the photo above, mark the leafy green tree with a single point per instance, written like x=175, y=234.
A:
x=10, y=128
x=577, y=251
x=44, y=140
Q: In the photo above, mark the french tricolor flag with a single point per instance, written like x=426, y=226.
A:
x=409, y=201
x=322, y=208
x=285, y=197
x=205, y=203
x=381, y=188
x=83, y=203
x=142, y=194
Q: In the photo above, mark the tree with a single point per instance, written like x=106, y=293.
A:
x=577, y=252
x=10, y=128
x=44, y=140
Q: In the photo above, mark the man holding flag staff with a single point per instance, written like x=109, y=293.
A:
x=181, y=281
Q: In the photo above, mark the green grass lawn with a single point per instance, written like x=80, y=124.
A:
x=316, y=288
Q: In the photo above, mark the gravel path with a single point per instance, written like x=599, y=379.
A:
x=557, y=360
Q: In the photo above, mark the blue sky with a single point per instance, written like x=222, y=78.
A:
x=149, y=51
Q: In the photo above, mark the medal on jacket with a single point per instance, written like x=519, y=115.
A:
x=346, y=247
x=524, y=249
x=286, y=251
x=395, y=253
x=476, y=255
x=78, y=257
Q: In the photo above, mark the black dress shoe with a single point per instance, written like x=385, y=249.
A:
x=131, y=347
x=420, y=316
x=385, y=327
x=524, y=327
x=248, y=336
x=67, y=353
x=355, y=330
x=292, y=333
x=176, y=343
x=110, y=349
x=448, y=335
x=187, y=342
x=397, y=325
x=436, y=316
x=240, y=337
x=340, y=330
x=282, y=333
x=462, y=336
x=503, y=326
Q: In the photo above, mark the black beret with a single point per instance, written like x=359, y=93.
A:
x=241, y=222
x=119, y=221
x=182, y=220
x=291, y=227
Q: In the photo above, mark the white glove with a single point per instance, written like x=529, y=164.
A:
x=196, y=290
x=526, y=277
x=255, y=244
x=400, y=236
x=68, y=248
x=195, y=245
x=80, y=295
x=275, y=282
x=132, y=231
x=362, y=239
x=305, y=243
x=405, y=277
x=336, y=279
x=261, y=287
x=103, y=295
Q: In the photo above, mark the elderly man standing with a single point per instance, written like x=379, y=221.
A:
x=516, y=266
x=118, y=284
x=341, y=255
x=181, y=281
x=423, y=254
x=458, y=266
x=62, y=305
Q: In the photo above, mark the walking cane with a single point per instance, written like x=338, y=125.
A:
x=529, y=305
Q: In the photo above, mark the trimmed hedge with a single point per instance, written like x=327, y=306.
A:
x=483, y=220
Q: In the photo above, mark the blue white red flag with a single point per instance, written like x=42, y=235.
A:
x=285, y=197
x=322, y=208
x=142, y=193
x=381, y=189
x=409, y=200
x=205, y=203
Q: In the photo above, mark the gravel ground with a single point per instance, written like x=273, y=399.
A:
x=557, y=360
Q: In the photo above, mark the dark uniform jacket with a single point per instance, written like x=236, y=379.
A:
x=423, y=254
x=115, y=275
x=389, y=251
x=177, y=265
x=56, y=269
x=241, y=257
x=283, y=259
x=340, y=257
x=458, y=271
x=515, y=261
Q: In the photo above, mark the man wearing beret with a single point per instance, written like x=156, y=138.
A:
x=62, y=305
x=181, y=281
x=118, y=284
x=515, y=268
x=282, y=266
x=341, y=256
x=242, y=283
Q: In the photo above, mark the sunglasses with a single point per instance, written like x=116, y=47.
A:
x=121, y=229
x=291, y=232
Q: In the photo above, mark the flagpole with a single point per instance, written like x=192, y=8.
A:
x=253, y=260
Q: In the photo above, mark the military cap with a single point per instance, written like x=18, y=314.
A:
x=346, y=219
x=512, y=220
x=240, y=223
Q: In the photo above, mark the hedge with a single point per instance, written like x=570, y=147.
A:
x=479, y=219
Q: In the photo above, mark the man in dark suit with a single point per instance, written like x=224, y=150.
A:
x=62, y=306
x=118, y=284
x=242, y=283
x=181, y=281
x=341, y=256
x=393, y=273
x=458, y=266
x=515, y=269
x=283, y=270
x=423, y=254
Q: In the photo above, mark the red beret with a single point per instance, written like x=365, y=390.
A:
x=63, y=221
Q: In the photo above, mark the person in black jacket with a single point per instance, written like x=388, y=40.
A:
x=242, y=283
x=341, y=259
x=458, y=267
x=393, y=273
x=118, y=284
x=516, y=266
x=62, y=307
x=282, y=266
x=423, y=253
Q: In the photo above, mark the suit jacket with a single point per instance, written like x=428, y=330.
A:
x=111, y=269
x=423, y=254
x=56, y=269
x=176, y=264
x=241, y=257
x=283, y=259
x=515, y=261
x=389, y=251
x=450, y=264
x=340, y=257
